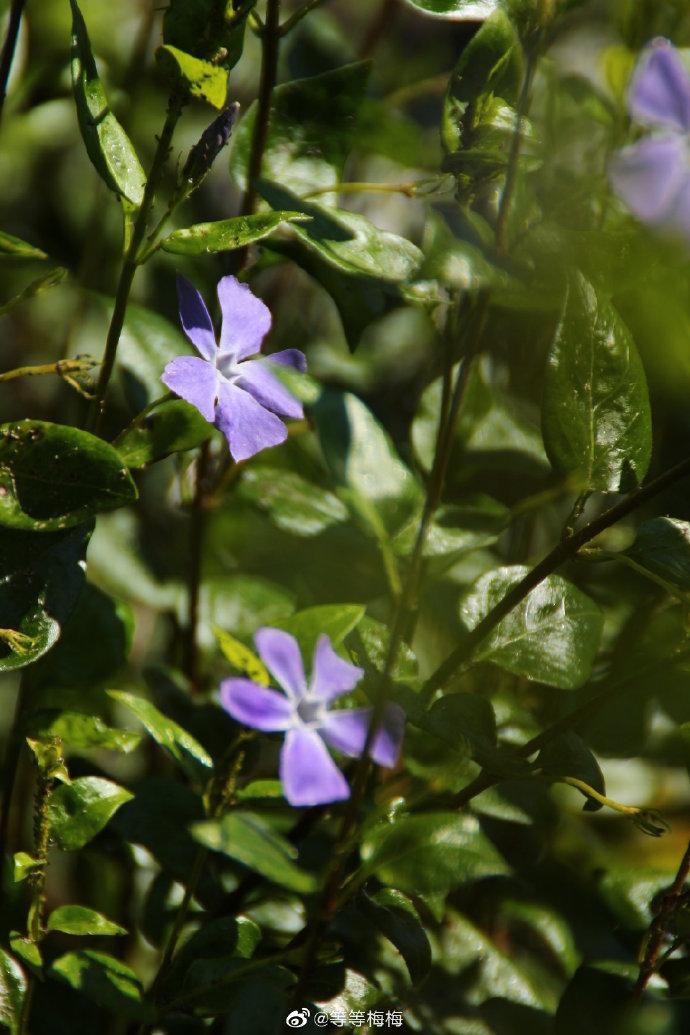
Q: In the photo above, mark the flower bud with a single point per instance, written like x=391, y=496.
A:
x=208, y=147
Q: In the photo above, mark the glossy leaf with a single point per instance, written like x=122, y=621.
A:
x=430, y=853
x=173, y=427
x=12, y=991
x=22, y=865
x=105, y=980
x=12, y=247
x=599, y=995
x=595, y=411
x=180, y=745
x=312, y=128
x=294, y=504
x=226, y=235
x=551, y=637
x=79, y=810
x=333, y=620
x=108, y=146
x=630, y=892
x=246, y=838
x=86, y=476
x=662, y=547
x=80, y=920
x=457, y=10
x=568, y=755
x=394, y=915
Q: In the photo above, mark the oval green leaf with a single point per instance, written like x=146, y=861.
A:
x=79, y=810
x=180, y=745
x=80, y=920
x=226, y=235
x=173, y=427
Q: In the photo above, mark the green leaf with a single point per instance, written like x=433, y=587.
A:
x=346, y=240
x=249, y=840
x=457, y=10
x=226, y=235
x=22, y=865
x=36, y=287
x=80, y=920
x=242, y=658
x=431, y=853
x=41, y=577
x=53, y=476
x=79, y=731
x=662, y=547
x=464, y=721
x=630, y=892
x=335, y=620
x=210, y=29
x=12, y=991
x=394, y=915
x=173, y=427
x=147, y=345
x=568, y=755
x=105, y=981
x=596, y=419
x=14, y=248
x=79, y=810
x=294, y=504
x=312, y=128
x=456, y=531
x=27, y=951
x=551, y=637
x=199, y=78
x=180, y=745
x=108, y=146
x=363, y=462
x=216, y=942
x=599, y=998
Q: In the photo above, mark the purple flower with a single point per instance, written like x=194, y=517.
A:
x=303, y=712
x=652, y=176
x=241, y=396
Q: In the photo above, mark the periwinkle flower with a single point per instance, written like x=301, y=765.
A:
x=240, y=395
x=304, y=713
x=652, y=176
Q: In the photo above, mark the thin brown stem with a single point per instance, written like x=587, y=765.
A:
x=659, y=927
x=197, y=521
x=512, y=169
x=270, y=48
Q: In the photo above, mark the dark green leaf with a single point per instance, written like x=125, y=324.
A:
x=105, y=981
x=173, y=427
x=226, y=235
x=599, y=999
x=53, y=476
x=197, y=77
x=12, y=991
x=662, y=547
x=79, y=810
x=456, y=531
x=312, y=128
x=630, y=893
x=595, y=413
x=396, y=917
x=80, y=920
x=14, y=248
x=335, y=620
x=431, y=853
x=294, y=504
x=180, y=745
x=108, y=146
x=247, y=838
x=374, y=636
x=210, y=29
x=552, y=636
x=41, y=577
x=568, y=755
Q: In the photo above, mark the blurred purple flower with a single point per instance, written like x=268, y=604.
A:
x=308, y=773
x=241, y=396
x=652, y=176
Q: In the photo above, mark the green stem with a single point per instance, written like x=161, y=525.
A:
x=294, y=19
x=270, y=46
x=514, y=156
x=132, y=260
x=591, y=792
x=9, y=47
x=11, y=762
x=61, y=368
x=565, y=550
x=363, y=187
x=197, y=521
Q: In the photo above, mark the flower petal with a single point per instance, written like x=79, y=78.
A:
x=308, y=773
x=281, y=655
x=649, y=175
x=246, y=424
x=660, y=89
x=331, y=675
x=257, y=379
x=290, y=358
x=678, y=221
x=194, y=380
x=255, y=706
x=347, y=732
x=246, y=320
x=195, y=319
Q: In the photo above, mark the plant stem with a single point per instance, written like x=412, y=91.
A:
x=132, y=259
x=9, y=47
x=294, y=19
x=191, y=646
x=270, y=46
x=9, y=771
x=514, y=155
x=566, y=549
x=659, y=926
x=362, y=187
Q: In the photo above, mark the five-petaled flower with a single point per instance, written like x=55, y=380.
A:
x=652, y=176
x=241, y=396
x=303, y=712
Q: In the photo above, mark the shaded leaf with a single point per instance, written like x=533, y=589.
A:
x=662, y=547
x=226, y=235
x=53, y=476
x=79, y=810
x=80, y=920
x=333, y=620
x=12, y=991
x=397, y=919
x=79, y=731
x=209, y=29
x=173, y=427
x=105, y=981
x=12, y=247
x=180, y=745
x=294, y=504
x=248, y=839
x=43, y=283
x=595, y=412
x=552, y=636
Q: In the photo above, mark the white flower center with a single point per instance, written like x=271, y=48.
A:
x=309, y=712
